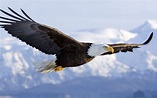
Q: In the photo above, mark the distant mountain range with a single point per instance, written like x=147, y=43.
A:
x=94, y=87
x=17, y=58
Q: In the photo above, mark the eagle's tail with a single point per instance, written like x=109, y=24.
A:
x=46, y=66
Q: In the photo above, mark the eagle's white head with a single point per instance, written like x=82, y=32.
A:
x=98, y=49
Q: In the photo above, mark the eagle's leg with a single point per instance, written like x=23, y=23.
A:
x=58, y=68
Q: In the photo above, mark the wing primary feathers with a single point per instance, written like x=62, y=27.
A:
x=7, y=19
x=6, y=22
x=27, y=16
x=10, y=15
x=17, y=13
x=149, y=39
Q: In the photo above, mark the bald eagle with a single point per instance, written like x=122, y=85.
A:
x=69, y=52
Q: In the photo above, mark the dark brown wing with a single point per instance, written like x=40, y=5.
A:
x=123, y=47
x=46, y=39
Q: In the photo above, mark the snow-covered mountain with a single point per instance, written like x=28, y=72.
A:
x=17, y=58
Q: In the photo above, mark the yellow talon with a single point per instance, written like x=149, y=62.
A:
x=58, y=68
x=109, y=49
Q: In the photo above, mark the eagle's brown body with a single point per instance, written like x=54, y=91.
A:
x=69, y=52
x=75, y=55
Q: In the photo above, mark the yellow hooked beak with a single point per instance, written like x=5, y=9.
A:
x=109, y=49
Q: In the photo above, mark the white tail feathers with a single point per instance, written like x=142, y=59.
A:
x=45, y=67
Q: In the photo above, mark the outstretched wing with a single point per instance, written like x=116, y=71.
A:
x=123, y=47
x=46, y=39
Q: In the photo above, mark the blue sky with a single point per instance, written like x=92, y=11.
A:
x=73, y=15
